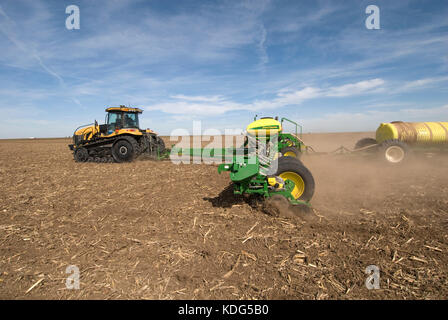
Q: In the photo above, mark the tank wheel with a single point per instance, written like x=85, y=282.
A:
x=365, y=142
x=290, y=152
x=81, y=155
x=290, y=168
x=394, y=151
x=125, y=150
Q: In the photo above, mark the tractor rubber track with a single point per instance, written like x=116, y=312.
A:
x=95, y=156
x=105, y=156
x=106, y=159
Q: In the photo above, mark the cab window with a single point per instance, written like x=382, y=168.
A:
x=114, y=121
x=130, y=120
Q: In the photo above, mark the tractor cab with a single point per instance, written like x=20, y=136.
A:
x=120, y=118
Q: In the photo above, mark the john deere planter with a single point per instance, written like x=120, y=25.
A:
x=270, y=164
x=267, y=163
x=263, y=130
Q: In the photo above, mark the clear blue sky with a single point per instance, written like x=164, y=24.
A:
x=221, y=62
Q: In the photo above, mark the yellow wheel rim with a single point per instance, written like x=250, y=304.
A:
x=299, y=187
x=290, y=154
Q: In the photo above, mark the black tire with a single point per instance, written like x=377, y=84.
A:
x=160, y=144
x=81, y=154
x=290, y=152
x=394, y=152
x=125, y=150
x=295, y=166
x=365, y=142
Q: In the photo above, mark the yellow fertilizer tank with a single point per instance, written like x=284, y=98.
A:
x=264, y=126
x=414, y=132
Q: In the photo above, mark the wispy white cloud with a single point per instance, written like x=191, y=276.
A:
x=355, y=88
x=420, y=84
x=198, y=98
x=294, y=20
x=369, y=121
x=8, y=27
x=387, y=105
x=218, y=105
x=264, y=59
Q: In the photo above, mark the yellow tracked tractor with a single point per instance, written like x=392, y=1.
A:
x=120, y=139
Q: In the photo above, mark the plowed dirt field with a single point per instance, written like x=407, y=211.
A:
x=156, y=230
